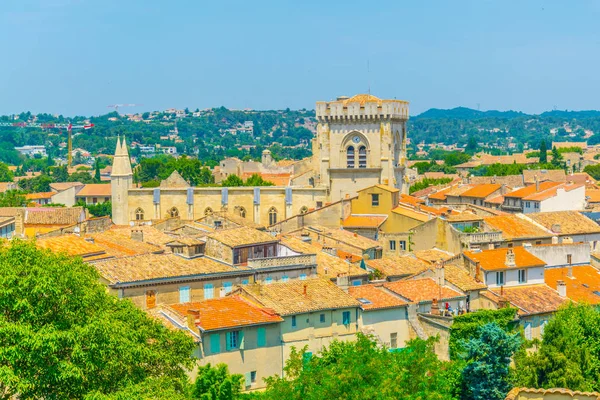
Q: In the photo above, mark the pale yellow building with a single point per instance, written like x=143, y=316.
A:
x=360, y=142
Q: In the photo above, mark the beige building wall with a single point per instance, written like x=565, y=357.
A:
x=385, y=322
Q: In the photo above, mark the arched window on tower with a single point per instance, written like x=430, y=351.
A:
x=139, y=214
x=350, y=157
x=173, y=212
x=362, y=157
x=272, y=216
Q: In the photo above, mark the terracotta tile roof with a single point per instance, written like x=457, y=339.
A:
x=433, y=255
x=493, y=260
x=157, y=266
x=481, y=191
x=563, y=145
x=461, y=278
x=209, y=220
x=54, y=215
x=546, y=194
x=60, y=186
x=410, y=200
x=242, y=236
x=512, y=181
x=582, y=285
x=419, y=290
x=593, y=194
x=570, y=222
x=580, y=177
x=515, y=394
x=372, y=297
x=185, y=240
x=226, y=313
x=439, y=175
x=39, y=196
x=281, y=179
x=71, y=245
x=364, y=221
x=288, y=298
x=328, y=266
x=411, y=213
x=555, y=175
x=515, y=227
x=118, y=243
x=496, y=200
x=530, y=299
x=10, y=211
x=344, y=236
x=151, y=234
x=437, y=210
x=531, y=189
x=440, y=194
x=95, y=189
x=398, y=265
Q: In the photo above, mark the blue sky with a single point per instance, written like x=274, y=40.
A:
x=78, y=56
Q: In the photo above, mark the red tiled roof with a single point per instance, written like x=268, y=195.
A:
x=582, y=285
x=530, y=299
x=419, y=290
x=531, y=189
x=481, y=191
x=492, y=260
x=227, y=312
x=372, y=297
x=364, y=221
x=95, y=189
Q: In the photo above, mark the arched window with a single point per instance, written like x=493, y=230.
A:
x=208, y=211
x=173, y=212
x=350, y=157
x=272, y=216
x=362, y=157
x=303, y=210
x=242, y=212
x=139, y=214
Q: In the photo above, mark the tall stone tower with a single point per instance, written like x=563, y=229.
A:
x=121, y=180
x=361, y=141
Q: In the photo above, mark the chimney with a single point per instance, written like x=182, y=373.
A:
x=537, y=184
x=554, y=239
x=305, y=289
x=343, y=281
x=561, y=287
x=502, y=290
x=137, y=235
x=510, y=258
x=193, y=317
x=440, y=274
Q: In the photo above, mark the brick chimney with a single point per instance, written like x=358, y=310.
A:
x=193, y=317
x=435, y=307
x=510, y=258
x=305, y=287
x=561, y=287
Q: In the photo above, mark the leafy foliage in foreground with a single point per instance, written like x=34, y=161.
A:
x=62, y=336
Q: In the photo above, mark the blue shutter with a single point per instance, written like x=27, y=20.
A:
x=184, y=294
x=302, y=277
x=256, y=196
x=156, y=196
x=346, y=318
x=245, y=282
x=268, y=280
x=215, y=343
x=190, y=196
x=285, y=278
x=209, y=291
x=356, y=282
x=261, y=337
x=288, y=196
x=227, y=286
x=224, y=196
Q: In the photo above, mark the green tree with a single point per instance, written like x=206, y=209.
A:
x=6, y=174
x=488, y=356
x=593, y=171
x=257, y=180
x=543, y=152
x=471, y=145
x=556, y=157
x=569, y=355
x=40, y=183
x=215, y=383
x=12, y=198
x=364, y=370
x=232, y=180
x=62, y=336
x=97, y=176
x=60, y=174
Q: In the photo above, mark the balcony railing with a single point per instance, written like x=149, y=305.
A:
x=480, y=237
x=285, y=261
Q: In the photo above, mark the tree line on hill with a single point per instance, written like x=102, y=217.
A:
x=63, y=336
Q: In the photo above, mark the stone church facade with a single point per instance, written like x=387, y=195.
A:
x=360, y=141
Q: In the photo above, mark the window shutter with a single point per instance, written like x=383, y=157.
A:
x=261, y=337
x=156, y=196
x=241, y=339
x=228, y=341
x=215, y=343
x=208, y=291
x=248, y=379
x=184, y=294
x=227, y=287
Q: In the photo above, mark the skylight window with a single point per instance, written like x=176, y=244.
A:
x=365, y=301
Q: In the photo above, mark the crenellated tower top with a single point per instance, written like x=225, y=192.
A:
x=361, y=107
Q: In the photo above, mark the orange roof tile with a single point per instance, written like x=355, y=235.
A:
x=411, y=200
x=226, y=313
x=364, y=221
x=492, y=260
x=411, y=213
x=95, y=189
x=582, y=285
x=481, y=191
x=372, y=297
x=398, y=265
x=514, y=227
x=424, y=289
x=531, y=189
x=546, y=194
x=71, y=245
x=278, y=179
x=593, y=194
x=496, y=200
x=39, y=196
x=440, y=194
x=530, y=299
x=568, y=222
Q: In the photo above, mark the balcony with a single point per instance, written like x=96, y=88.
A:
x=480, y=237
x=282, y=261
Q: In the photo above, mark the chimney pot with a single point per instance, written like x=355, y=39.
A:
x=561, y=287
x=305, y=289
